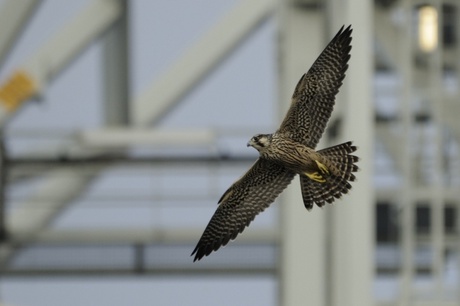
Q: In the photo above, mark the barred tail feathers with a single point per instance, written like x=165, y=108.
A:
x=337, y=183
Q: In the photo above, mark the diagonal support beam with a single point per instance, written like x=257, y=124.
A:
x=61, y=186
x=31, y=217
x=14, y=15
x=29, y=80
x=199, y=60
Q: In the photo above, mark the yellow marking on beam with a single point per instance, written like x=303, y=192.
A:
x=19, y=87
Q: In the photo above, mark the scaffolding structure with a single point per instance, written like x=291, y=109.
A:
x=398, y=103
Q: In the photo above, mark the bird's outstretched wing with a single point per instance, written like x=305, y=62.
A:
x=239, y=205
x=314, y=95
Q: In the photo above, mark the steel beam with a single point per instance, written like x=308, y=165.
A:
x=302, y=262
x=435, y=71
x=82, y=30
x=156, y=271
x=110, y=159
x=387, y=35
x=29, y=80
x=353, y=221
x=73, y=37
x=407, y=195
x=200, y=60
x=14, y=15
x=116, y=70
x=125, y=137
x=61, y=184
x=3, y=176
x=64, y=185
x=135, y=236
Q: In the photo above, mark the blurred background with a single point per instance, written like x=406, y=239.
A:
x=123, y=122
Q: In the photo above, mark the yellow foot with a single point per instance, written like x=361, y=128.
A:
x=322, y=167
x=316, y=177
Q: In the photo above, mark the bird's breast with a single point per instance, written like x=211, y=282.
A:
x=292, y=155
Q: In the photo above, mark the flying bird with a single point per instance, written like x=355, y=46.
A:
x=324, y=174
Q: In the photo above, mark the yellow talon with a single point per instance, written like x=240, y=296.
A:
x=316, y=177
x=322, y=167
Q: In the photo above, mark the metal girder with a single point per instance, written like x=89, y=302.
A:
x=3, y=176
x=74, y=37
x=155, y=271
x=232, y=30
x=60, y=184
x=302, y=37
x=391, y=141
x=135, y=250
x=125, y=137
x=307, y=3
x=450, y=113
x=116, y=70
x=27, y=82
x=216, y=45
x=110, y=159
x=29, y=79
x=406, y=196
x=64, y=185
x=386, y=34
x=199, y=60
x=134, y=236
x=353, y=219
x=14, y=15
x=420, y=194
x=324, y=238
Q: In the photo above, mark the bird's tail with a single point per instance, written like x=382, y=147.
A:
x=337, y=183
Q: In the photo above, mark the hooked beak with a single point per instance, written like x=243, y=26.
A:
x=248, y=144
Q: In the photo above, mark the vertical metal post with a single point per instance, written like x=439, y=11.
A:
x=407, y=222
x=353, y=245
x=437, y=201
x=302, y=240
x=139, y=258
x=116, y=69
x=3, y=173
x=457, y=206
x=66, y=185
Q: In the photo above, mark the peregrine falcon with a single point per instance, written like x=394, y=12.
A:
x=324, y=174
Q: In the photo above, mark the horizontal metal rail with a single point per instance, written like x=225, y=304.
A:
x=16, y=162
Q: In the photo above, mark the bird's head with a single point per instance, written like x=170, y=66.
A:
x=260, y=141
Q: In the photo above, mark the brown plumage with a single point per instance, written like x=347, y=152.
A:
x=324, y=174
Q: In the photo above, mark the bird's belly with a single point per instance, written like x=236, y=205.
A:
x=294, y=159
